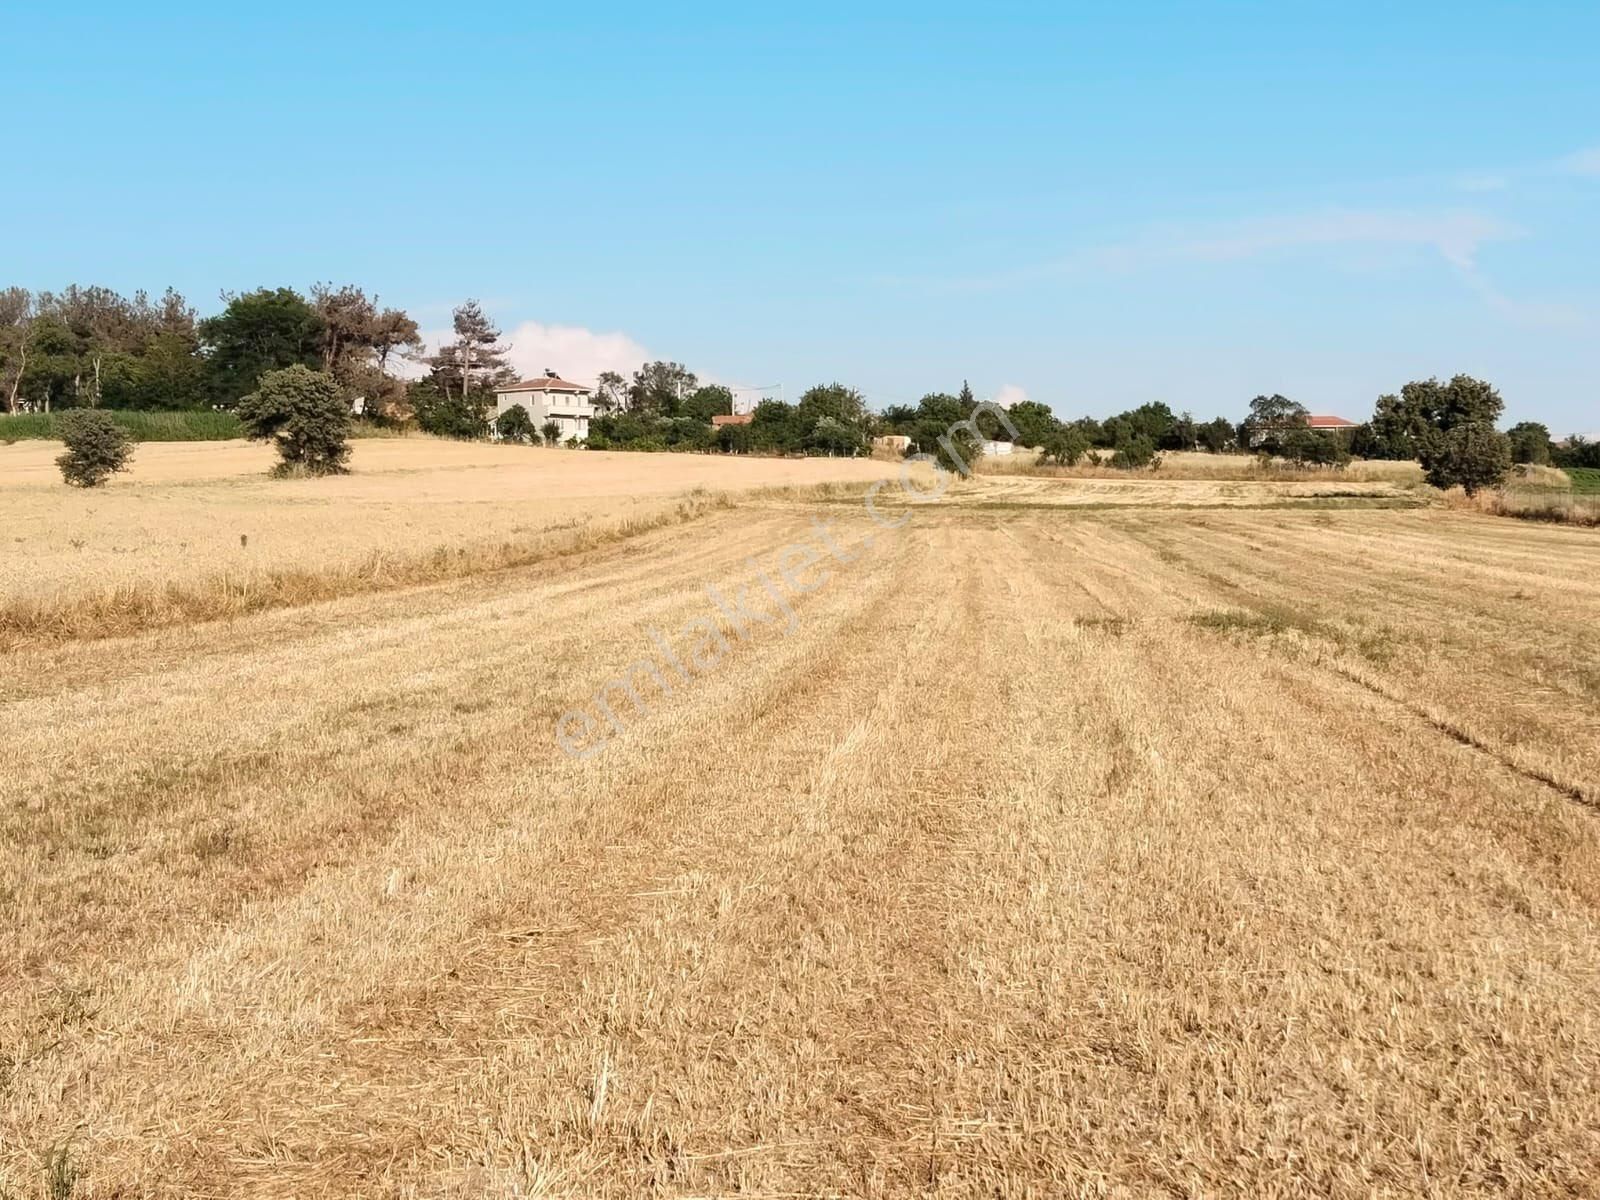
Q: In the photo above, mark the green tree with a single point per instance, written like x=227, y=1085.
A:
x=1035, y=423
x=1216, y=436
x=1401, y=424
x=515, y=425
x=97, y=447
x=304, y=413
x=1182, y=434
x=834, y=437
x=103, y=332
x=1396, y=430
x=358, y=341
x=449, y=414
x=661, y=388
x=16, y=340
x=1065, y=445
x=260, y=331
x=1471, y=455
x=712, y=400
x=1577, y=451
x=832, y=401
x=610, y=392
x=1305, y=446
x=54, y=369
x=898, y=418
x=551, y=432
x=733, y=439
x=1152, y=423
x=774, y=426
x=1270, y=420
x=475, y=362
x=1530, y=443
x=1134, y=453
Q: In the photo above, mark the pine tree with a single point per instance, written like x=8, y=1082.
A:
x=477, y=358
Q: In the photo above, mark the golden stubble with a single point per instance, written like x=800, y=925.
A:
x=1057, y=850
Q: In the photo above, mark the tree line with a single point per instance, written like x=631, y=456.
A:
x=90, y=347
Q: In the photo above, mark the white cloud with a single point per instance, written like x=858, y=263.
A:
x=1534, y=313
x=1457, y=236
x=1584, y=162
x=1482, y=183
x=572, y=351
x=1010, y=394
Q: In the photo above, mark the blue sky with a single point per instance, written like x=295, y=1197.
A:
x=1097, y=208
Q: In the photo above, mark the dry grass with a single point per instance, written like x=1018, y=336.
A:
x=1058, y=850
x=1531, y=504
x=138, y=605
x=202, y=519
x=1188, y=465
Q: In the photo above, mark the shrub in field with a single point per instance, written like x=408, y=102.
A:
x=1472, y=456
x=1063, y=446
x=1530, y=443
x=515, y=425
x=551, y=432
x=445, y=412
x=1314, y=447
x=303, y=412
x=1134, y=453
x=97, y=447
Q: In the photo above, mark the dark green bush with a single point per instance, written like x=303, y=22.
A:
x=1473, y=455
x=1134, y=453
x=97, y=447
x=515, y=425
x=305, y=414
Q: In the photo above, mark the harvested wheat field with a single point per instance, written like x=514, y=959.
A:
x=1023, y=849
x=199, y=528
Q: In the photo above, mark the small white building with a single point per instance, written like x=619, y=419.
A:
x=549, y=398
x=998, y=449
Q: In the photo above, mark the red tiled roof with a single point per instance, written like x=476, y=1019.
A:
x=545, y=383
x=1329, y=423
x=733, y=418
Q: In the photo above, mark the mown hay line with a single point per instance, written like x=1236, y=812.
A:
x=136, y=607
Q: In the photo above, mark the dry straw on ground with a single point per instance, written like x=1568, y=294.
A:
x=1192, y=465
x=198, y=527
x=1062, y=849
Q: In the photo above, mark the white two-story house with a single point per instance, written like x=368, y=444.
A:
x=550, y=398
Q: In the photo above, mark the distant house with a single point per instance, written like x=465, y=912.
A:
x=549, y=398
x=722, y=419
x=892, y=443
x=997, y=449
x=1323, y=424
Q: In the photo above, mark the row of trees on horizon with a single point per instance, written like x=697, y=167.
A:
x=91, y=347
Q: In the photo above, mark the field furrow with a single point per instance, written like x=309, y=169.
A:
x=1003, y=852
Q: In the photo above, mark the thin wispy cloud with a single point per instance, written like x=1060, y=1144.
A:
x=1482, y=182
x=1456, y=237
x=1584, y=163
x=572, y=351
x=1535, y=314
